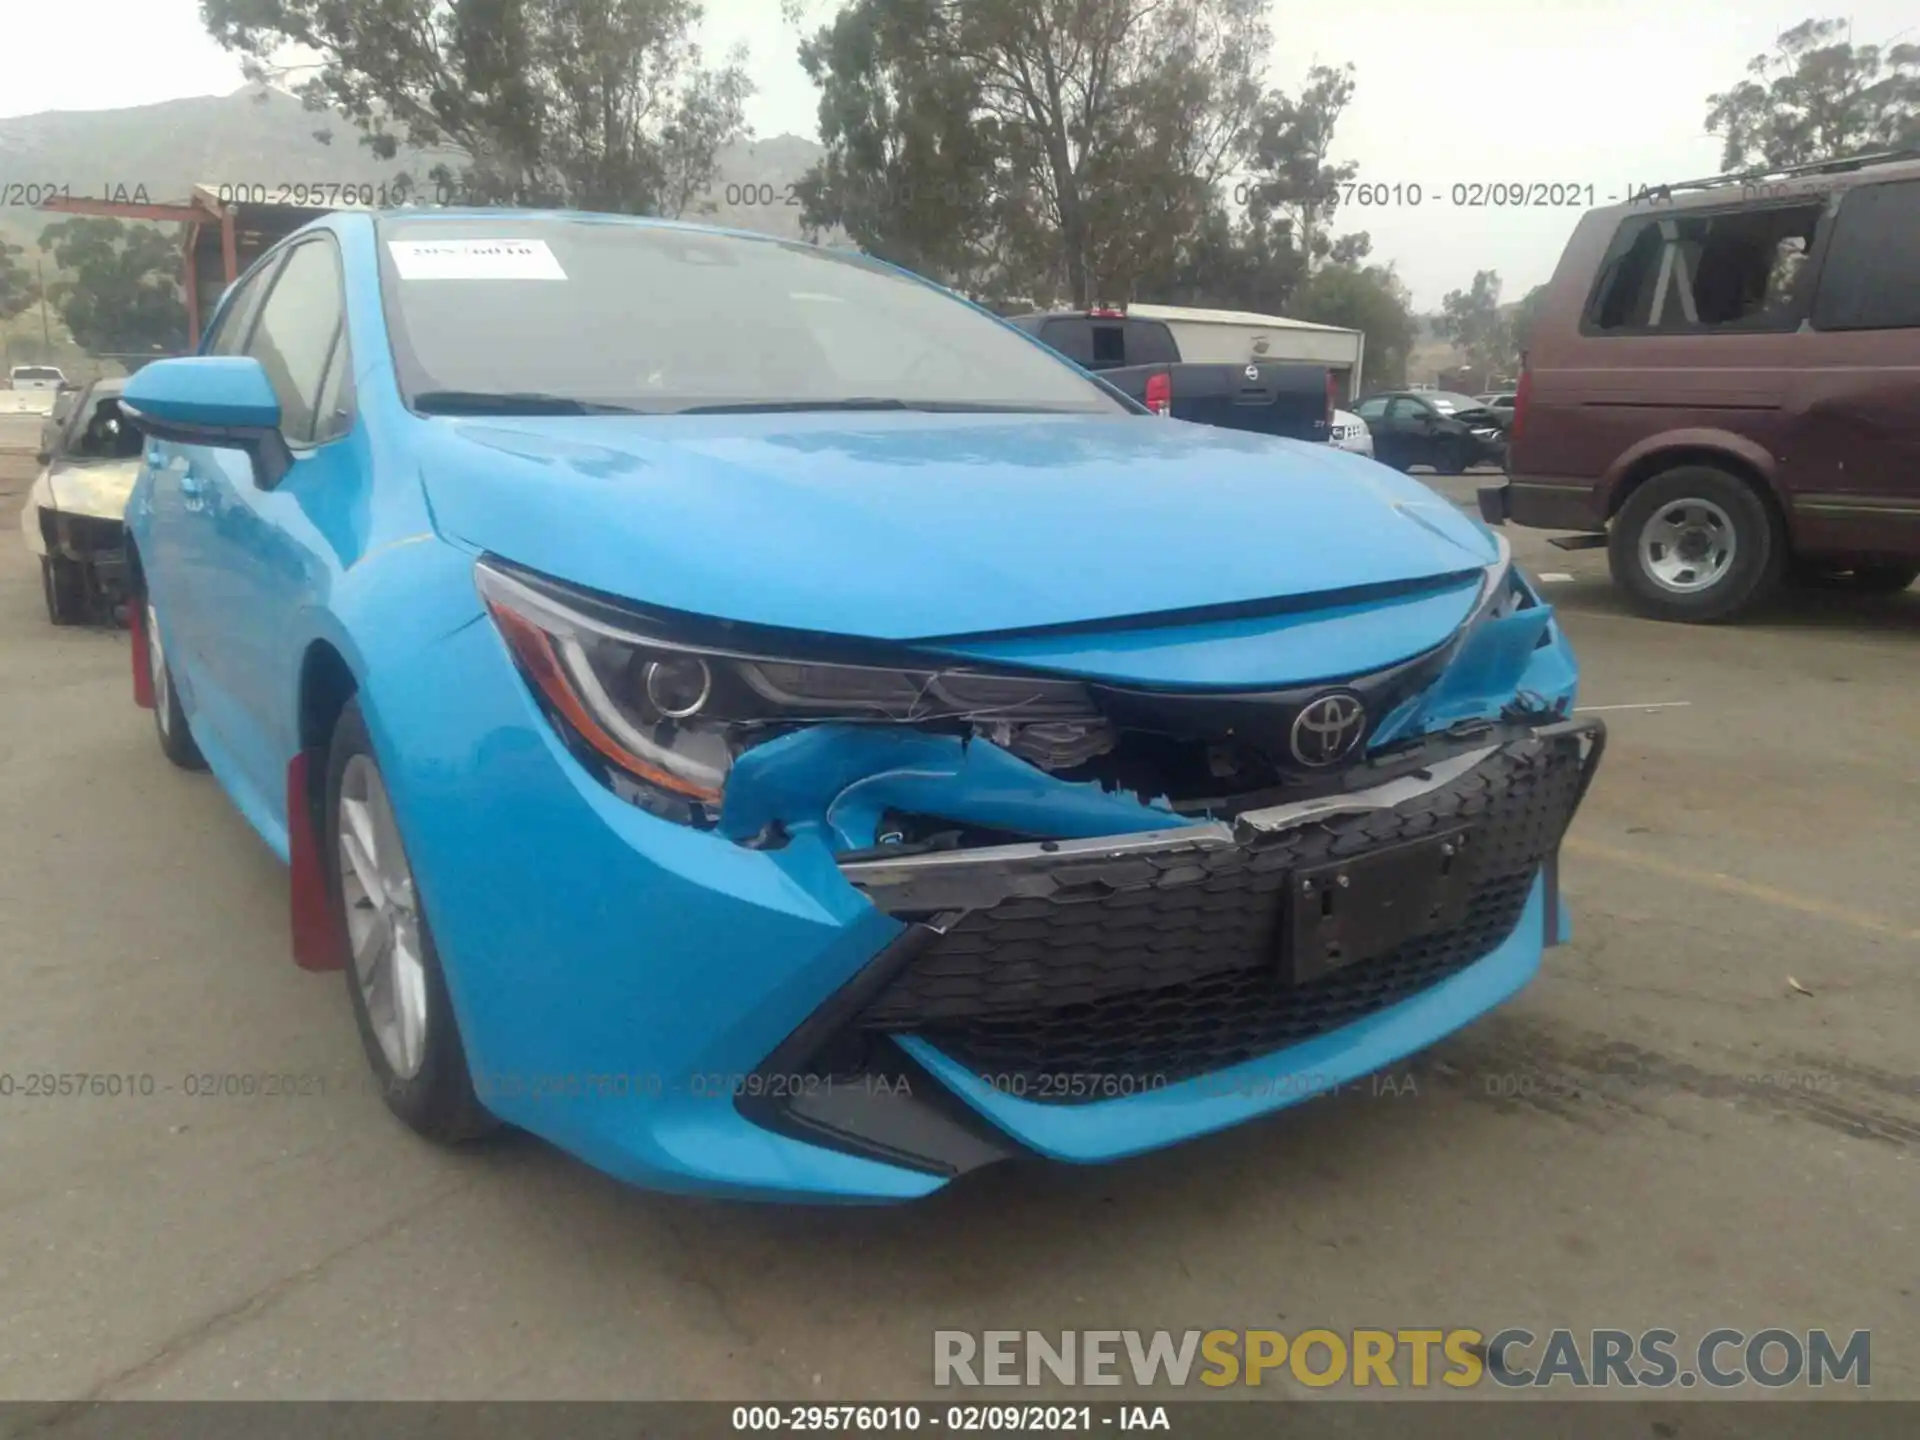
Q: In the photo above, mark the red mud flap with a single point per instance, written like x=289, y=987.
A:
x=317, y=940
x=142, y=680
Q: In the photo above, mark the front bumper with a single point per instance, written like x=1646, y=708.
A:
x=1091, y=999
x=688, y=1011
x=95, y=543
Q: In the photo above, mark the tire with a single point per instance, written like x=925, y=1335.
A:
x=63, y=585
x=169, y=720
x=1696, y=544
x=397, y=988
x=1450, y=459
x=1857, y=579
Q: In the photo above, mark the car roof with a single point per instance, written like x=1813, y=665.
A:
x=469, y=213
x=1766, y=187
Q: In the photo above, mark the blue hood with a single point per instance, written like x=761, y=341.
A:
x=908, y=526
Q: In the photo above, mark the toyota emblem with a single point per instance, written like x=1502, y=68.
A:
x=1328, y=730
x=1253, y=372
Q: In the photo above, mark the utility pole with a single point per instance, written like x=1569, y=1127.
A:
x=40, y=273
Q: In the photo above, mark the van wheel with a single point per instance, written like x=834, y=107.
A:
x=1696, y=544
x=1857, y=579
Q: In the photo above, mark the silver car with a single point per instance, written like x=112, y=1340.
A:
x=72, y=519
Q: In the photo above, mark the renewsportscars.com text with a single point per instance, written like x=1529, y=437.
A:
x=1407, y=1358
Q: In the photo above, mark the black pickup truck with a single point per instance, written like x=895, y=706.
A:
x=1141, y=358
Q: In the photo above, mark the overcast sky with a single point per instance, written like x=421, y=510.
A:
x=1607, y=93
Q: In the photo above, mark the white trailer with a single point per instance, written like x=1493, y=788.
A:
x=1238, y=337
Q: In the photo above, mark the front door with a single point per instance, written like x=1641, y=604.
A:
x=258, y=552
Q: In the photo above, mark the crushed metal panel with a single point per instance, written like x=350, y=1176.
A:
x=98, y=489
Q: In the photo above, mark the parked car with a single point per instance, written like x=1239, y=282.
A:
x=36, y=377
x=1501, y=403
x=1142, y=359
x=1721, y=388
x=821, y=768
x=1350, y=433
x=1449, y=433
x=72, y=519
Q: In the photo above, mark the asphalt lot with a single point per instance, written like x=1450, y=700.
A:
x=1663, y=1130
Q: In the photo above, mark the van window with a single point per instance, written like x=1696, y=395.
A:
x=1738, y=270
x=1871, y=278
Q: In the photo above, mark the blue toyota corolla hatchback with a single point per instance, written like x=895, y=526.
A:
x=755, y=719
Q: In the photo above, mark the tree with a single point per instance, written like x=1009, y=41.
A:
x=121, y=295
x=17, y=287
x=600, y=104
x=1472, y=321
x=1818, y=96
x=1370, y=299
x=1295, y=178
x=1065, y=146
x=1520, y=320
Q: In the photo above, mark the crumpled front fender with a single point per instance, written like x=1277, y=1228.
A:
x=840, y=779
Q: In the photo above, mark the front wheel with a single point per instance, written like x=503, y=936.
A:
x=169, y=720
x=1451, y=459
x=1695, y=543
x=394, y=980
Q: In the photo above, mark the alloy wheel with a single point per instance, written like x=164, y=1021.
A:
x=383, y=920
x=157, y=669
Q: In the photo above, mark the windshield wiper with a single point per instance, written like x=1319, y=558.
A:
x=510, y=402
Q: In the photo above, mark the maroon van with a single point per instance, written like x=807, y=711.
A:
x=1723, y=388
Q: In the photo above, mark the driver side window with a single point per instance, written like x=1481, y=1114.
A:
x=230, y=330
x=296, y=333
x=1371, y=409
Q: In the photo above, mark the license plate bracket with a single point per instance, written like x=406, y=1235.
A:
x=1342, y=912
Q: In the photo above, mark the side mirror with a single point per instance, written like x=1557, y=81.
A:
x=222, y=401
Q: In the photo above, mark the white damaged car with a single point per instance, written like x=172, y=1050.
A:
x=73, y=519
x=1349, y=432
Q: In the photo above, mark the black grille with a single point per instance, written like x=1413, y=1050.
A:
x=1159, y=970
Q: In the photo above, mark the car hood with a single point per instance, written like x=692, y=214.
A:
x=912, y=526
x=96, y=487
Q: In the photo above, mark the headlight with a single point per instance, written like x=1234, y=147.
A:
x=668, y=716
x=1500, y=591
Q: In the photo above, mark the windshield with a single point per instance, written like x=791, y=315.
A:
x=541, y=315
x=35, y=372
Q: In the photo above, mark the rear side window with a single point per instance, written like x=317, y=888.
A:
x=1072, y=338
x=1149, y=342
x=1737, y=270
x=1871, y=277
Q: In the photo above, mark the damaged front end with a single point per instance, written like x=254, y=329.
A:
x=80, y=510
x=1110, y=886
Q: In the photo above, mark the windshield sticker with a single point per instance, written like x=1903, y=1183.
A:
x=474, y=260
